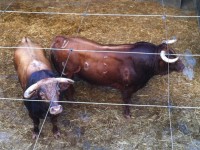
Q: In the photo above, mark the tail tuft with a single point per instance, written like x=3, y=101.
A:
x=25, y=40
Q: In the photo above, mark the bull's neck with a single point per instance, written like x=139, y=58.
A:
x=156, y=63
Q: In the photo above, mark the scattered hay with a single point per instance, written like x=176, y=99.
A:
x=96, y=126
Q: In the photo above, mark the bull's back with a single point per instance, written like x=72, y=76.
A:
x=29, y=58
x=97, y=67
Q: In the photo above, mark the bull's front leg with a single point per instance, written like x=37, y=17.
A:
x=126, y=96
x=36, y=122
x=70, y=93
x=55, y=129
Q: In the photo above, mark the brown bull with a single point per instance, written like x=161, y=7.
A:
x=126, y=71
x=39, y=82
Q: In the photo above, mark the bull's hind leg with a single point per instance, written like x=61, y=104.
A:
x=126, y=96
x=55, y=129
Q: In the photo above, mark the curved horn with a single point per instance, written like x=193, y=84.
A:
x=167, y=60
x=28, y=93
x=169, y=41
x=64, y=80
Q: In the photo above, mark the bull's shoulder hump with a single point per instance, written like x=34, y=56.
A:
x=144, y=44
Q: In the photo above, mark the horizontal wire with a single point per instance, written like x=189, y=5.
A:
x=110, y=104
x=97, y=14
x=112, y=15
x=6, y=8
x=99, y=51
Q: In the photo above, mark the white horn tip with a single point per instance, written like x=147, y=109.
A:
x=65, y=80
x=70, y=81
x=170, y=41
x=27, y=94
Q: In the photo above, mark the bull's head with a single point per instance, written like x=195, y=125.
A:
x=49, y=89
x=168, y=60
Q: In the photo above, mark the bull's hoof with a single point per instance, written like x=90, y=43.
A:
x=127, y=116
x=34, y=136
x=57, y=135
x=127, y=113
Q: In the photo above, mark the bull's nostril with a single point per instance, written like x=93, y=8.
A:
x=51, y=110
x=56, y=109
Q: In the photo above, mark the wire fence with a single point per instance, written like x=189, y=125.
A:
x=164, y=16
x=109, y=104
x=98, y=14
x=99, y=51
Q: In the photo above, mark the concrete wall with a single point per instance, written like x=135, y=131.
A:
x=184, y=4
x=197, y=5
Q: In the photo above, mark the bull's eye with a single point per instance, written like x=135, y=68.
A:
x=58, y=88
x=42, y=95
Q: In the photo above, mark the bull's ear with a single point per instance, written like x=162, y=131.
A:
x=64, y=86
x=161, y=47
x=42, y=95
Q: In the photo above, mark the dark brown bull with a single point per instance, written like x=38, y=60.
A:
x=127, y=72
x=39, y=82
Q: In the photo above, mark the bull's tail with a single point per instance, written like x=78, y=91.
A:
x=26, y=40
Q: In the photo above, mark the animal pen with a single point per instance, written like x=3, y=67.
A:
x=165, y=113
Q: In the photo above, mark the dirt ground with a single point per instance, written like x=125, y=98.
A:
x=103, y=127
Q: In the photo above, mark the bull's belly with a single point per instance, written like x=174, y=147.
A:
x=118, y=81
x=99, y=80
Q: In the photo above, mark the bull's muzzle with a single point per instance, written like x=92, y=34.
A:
x=54, y=110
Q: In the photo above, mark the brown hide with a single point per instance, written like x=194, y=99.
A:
x=35, y=74
x=29, y=59
x=102, y=68
x=124, y=71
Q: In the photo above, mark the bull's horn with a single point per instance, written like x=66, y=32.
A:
x=167, y=60
x=169, y=41
x=28, y=93
x=64, y=80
